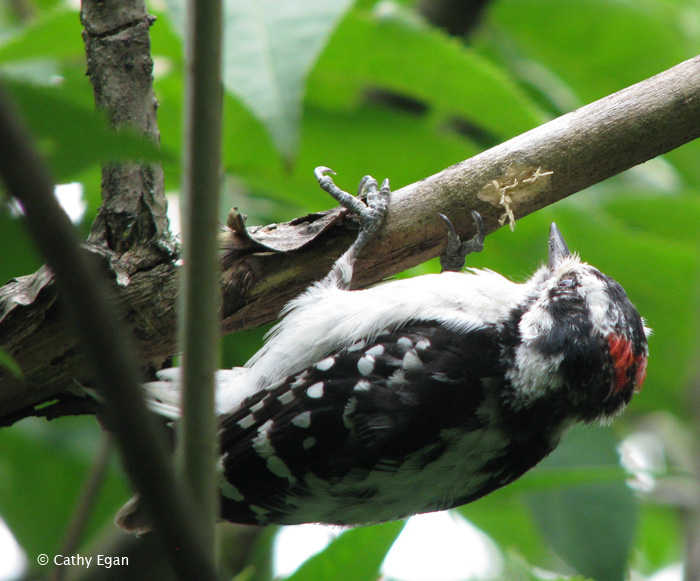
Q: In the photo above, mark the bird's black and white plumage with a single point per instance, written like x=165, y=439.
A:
x=417, y=394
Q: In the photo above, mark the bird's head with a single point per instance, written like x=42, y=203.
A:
x=581, y=326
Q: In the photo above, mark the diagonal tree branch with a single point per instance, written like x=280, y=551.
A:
x=521, y=175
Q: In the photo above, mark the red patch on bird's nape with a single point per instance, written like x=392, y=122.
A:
x=623, y=358
x=641, y=373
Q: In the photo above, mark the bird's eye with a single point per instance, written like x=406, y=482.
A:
x=567, y=283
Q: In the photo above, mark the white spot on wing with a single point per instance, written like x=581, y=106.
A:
x=258, y=406
x=261, y=443
x=404, y=343
x=279, y=468
x=375, y=351
x=325, y=364
x=247, y=422
x=286, y=398
x=365, y=365
x=263, y=446
x=422, y=344
x=411, y=361
x=335, y=318
x=315, y=391
x=230, y=491
x=302, y=420
x=362, y=385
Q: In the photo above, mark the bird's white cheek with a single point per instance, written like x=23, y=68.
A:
x=536, y=322
x=533, y=375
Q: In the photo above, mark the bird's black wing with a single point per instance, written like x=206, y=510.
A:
x=363, y=408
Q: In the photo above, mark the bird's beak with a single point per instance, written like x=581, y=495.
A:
x=558, y=250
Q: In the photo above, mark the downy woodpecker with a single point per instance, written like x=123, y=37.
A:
x=417, y=394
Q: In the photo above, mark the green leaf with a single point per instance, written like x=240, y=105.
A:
x=685, y=160
x=504, y=518
x=368, y=139
x=595, y=46
x=660, y=541
x=429, y=66
x=356, y=555
x=39, y=71
x=72, y=137
x=269, y=48
x=592, y=527
x=36, y=508
x=342, y=129
x=354, y=143
x=578, y=51
x=517, y=569
x=24, y=257
x=53, y=35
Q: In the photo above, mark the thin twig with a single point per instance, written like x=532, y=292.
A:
x=86, y=502
x=199, y=314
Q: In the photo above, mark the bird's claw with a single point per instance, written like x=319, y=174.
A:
x=457, y=250
x=371, y=213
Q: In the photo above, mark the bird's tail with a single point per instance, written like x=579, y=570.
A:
x=163, y=395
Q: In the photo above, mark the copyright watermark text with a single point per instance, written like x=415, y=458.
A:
x=86, y=561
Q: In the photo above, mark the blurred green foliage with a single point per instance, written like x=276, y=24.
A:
x=527, y=61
